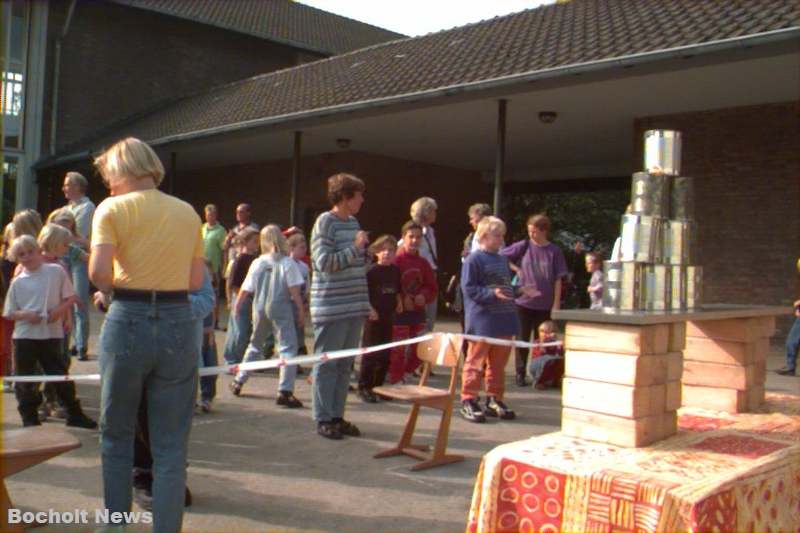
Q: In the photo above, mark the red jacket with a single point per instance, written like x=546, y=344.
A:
x=416, y=277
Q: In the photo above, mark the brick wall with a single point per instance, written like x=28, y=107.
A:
x=117, y=60
x=746, y=165
x=392, y=184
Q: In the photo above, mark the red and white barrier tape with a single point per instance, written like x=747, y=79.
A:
x=300, y=360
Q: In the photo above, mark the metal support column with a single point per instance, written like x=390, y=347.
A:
x=298, y=139
x=500, y=156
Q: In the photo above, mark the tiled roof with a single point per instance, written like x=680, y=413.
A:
x=279, y=20
x=501, y=49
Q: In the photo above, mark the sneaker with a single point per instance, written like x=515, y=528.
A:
x=73, y=351
x=43, y=412
x=288, y=400
x=347, y=428
x=522, y=381
x=143, y=497
x=235, y=387
x=785, y=371
x=205, y=406
x=367, y=396
x=471, y=410
x=329, y=430
x=80, y=420
x=495, y=407
x=83, y=356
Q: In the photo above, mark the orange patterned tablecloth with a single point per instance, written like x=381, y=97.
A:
x=720, y=473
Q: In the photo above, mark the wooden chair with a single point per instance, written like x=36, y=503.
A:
x=442, y=350
x=22, y=449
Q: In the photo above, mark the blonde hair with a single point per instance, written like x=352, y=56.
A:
x=421, y=207
x=295, y=239
x=8, y=236
x=130, y=158
x=27, y=222
x=23, y=242
x=489, y=224
x=53, y=235
x=273, y=241
x=549, y=326
x=63, y=217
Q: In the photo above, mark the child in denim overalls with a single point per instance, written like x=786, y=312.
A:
x=275, y=282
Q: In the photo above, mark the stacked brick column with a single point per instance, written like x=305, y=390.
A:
x=725, y=363
x=622, y=382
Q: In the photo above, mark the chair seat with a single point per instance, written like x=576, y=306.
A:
x=410, y=393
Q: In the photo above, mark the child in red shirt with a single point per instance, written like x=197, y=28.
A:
x=547, y=362
x=417, y=289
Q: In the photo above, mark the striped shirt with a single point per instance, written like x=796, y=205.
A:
x=339, y=284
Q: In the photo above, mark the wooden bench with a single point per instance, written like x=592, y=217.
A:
x=22, y=449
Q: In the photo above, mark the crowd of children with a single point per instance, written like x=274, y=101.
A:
x=268, y=298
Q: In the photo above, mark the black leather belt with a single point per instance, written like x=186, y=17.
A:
x=141, y=295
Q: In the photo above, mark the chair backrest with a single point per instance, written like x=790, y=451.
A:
x=442, y=350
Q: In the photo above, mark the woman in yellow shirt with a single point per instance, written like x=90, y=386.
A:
x=147, y=253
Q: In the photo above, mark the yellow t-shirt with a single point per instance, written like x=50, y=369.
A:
x=156, y=237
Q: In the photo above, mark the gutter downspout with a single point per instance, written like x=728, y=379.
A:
x=56, y=74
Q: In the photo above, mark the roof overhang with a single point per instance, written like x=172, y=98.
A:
x=456, y=126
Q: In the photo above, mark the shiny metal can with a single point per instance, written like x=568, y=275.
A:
x=612, y=287
x=681, y=199
x=650, y=194
x=662, y=152
x=625, y=289
x=657, y=287
x=694, y=286
x=677, y=287
x=641, y=239
x=678, y=239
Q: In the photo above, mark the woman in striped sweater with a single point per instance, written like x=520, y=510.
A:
x=339, y=300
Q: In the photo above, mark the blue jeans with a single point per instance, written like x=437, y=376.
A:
x=792, y=344
x=431, y=310
x=208, y=357
x=152, y=347
x=331, y=378
x=239, y=330
x=80, y=280
x=280, y=327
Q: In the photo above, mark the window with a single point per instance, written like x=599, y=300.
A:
x=14, y=25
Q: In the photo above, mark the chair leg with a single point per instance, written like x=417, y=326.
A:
x=405, y=438
x=439, y=457
x=5, y=505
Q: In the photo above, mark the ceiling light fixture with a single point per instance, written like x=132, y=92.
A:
x=547, y=117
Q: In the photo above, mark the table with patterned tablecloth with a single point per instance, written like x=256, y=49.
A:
x=721, y=472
